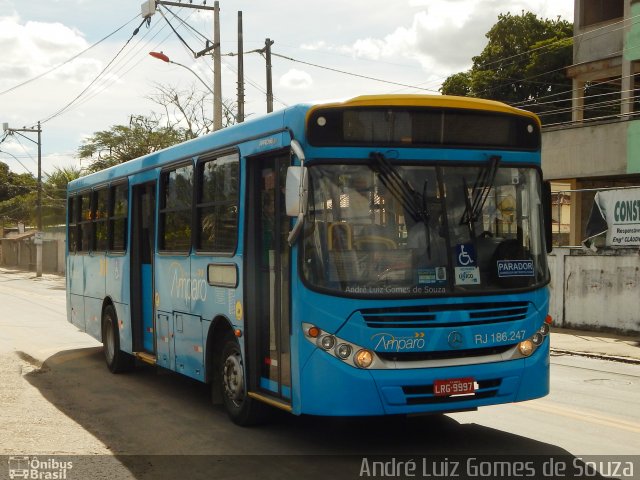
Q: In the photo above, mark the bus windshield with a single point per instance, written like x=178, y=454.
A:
x=378, y=228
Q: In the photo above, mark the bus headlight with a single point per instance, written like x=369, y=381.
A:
x=340, y=348
x=327, y=342
x=363, y=358
x=526, y=347
x=343, y=351
x=537, y=338
x=544, y=329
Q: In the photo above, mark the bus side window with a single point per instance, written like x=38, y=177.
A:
x=100, y=203
x=118, y=213
x=175, y=209
x=85, y=228
x=72, y=224
x=217, y=204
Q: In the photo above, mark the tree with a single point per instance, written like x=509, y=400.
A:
x=522, y=64
x=54, y=195
x=190, y=110
x=17, y=195
x=121, y=143
x=14, y=184
x=186, y=115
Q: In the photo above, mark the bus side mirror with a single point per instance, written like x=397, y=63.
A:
x=546, y=212
x=296, y=191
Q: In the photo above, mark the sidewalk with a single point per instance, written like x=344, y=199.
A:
x=607, y=346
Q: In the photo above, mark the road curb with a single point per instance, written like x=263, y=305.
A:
x=598, y=356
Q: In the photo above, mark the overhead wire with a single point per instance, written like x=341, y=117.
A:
x=114, y=73
x=64, y=108
x=344, y=72
x=69, y=60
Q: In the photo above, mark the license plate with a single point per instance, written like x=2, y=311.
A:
x=453, y=386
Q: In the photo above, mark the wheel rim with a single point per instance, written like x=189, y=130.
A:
x=109, y=341
x=233, y=378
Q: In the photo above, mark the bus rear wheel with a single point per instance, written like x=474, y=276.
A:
x=117, y=360
x=242, y=409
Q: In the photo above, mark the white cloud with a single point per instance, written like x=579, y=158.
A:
x=31, y=48
x=296, y=79
x=443, y=35
x=319, y=45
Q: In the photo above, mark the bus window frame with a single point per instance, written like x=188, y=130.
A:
x=83, y=223
x=72, y=222
x=95, y=221
x=111, y=218
x=161, y=209
x=197, y=204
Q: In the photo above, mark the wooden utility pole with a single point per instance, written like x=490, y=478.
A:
x=240, y=116
x=217, y=70
x=217, y=62
x=267, y=53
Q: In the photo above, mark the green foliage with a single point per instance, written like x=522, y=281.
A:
x=14, y=184
x=54, y=195
x=19, y=192
x=121, y=143
x=16, y=190
x=523, y=63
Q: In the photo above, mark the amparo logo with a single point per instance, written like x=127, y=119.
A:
x=185, y=287
x=391, y=343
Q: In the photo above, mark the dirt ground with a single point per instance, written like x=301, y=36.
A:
x=30, y=424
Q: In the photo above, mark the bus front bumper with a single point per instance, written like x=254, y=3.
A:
x=331, y=387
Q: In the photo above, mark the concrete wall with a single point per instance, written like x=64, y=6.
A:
x=585, y=151
x=22, y=254
x=595, y=291
x=593, y=39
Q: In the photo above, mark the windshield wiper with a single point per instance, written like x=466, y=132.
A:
x=414, y=203
x=474, y=202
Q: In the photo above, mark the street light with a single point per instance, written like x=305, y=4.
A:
x=164, y=58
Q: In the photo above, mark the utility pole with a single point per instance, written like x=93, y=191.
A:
x=267, y=49
x=148, y=9
x=38, y=237
x=217, y=67
x=240, y=117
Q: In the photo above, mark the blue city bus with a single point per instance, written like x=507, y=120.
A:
x=382, y=255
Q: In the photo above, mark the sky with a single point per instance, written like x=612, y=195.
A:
x=417, y=43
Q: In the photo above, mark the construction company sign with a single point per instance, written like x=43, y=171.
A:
x=616, y=212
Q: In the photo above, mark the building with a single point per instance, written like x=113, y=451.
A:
x=600, y=148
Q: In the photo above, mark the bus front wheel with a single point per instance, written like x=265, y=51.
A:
x=117, y=360
x=242, y=409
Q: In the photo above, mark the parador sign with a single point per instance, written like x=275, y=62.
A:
x=616, y=213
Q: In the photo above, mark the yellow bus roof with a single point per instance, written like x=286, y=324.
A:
x=436, y=101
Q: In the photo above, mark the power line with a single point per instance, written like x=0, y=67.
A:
x=68, y=60
x=122, y=62
x=62, y=110
x=350, y=73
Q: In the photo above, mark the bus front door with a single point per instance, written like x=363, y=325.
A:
x=268, y=279
x=142, y=238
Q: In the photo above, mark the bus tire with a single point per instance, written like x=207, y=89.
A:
x=117, y=360
x=242, y=409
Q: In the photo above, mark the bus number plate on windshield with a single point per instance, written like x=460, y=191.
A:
x=453, y=386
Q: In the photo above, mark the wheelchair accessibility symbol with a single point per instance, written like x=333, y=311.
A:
x=465, y=254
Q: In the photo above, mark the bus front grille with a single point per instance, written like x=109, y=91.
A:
x=437, y=316
x=443, y=354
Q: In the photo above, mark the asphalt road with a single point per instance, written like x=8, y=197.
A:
x=58, y=398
